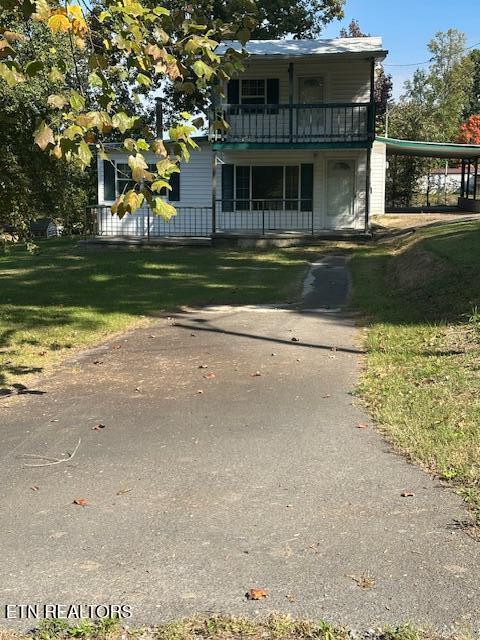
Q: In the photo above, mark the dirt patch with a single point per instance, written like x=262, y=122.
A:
x=415, y=267
x=408, y=220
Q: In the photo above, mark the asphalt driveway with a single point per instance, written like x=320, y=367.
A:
x=231, y=457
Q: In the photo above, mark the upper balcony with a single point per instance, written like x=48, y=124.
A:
x=301, y=93
x=296, y=124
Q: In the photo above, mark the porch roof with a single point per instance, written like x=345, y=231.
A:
x=430, y=149
x=356, y=47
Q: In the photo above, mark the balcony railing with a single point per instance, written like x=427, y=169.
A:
x=295, y=124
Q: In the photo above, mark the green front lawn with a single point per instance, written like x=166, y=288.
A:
x=422, y=379
x=62, y=298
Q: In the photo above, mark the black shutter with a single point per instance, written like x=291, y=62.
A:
x=273, y=91
x=109, y=191
x=306, y=187
x=174, y=194
x=227, y=187
x=233, y=92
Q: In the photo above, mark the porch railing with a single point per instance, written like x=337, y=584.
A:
x=298, y=123
x=189, y=222
x=264, y=215
x=250, y=216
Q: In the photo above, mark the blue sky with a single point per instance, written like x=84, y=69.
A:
x=407, y=25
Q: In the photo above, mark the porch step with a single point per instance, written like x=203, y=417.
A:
x=132, y=242
x=283, y=239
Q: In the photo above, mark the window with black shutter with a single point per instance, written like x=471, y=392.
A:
x=306, y=187
x=109, y=191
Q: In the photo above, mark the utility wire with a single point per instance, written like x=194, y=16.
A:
x=418, y=64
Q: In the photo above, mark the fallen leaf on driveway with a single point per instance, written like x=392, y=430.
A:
x=117, y=346
x=200, y=391
x=295, y=339
x=203, y=366
x=256, y=374
x=123, y=491
x=407, y=494
x=80, y=502
x=256, y=594
x=210, y=376
x=34, y=488
x=290, y=598
x=364, y=582
x=97, y=427
x=362, y=426
x=98, y=362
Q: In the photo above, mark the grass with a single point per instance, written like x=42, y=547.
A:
x=275, y=627
x=61, y=298
x=422, y=378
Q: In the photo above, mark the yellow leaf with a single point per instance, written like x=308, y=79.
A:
x=163, y=209
x=138, y=166
x=42, y=11
x=43, y=136
x=75, y=11
x=158, y=147
x=59, y=22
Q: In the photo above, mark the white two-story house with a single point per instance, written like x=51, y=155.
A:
x=299, y=155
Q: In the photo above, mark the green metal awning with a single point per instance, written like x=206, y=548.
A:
x=430, y=149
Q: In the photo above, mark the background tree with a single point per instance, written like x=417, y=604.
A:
x=119, y=42
x=353, y=31
x=470, y=130
x=33, y=184
x=431, y=108
x=474, y=101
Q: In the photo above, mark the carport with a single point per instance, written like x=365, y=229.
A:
x=468, y=154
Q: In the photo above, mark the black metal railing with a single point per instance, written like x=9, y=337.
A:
x=264, y=215
x=188, y=222
x=253, y=216
x=297, y=123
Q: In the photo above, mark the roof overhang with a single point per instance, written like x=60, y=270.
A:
x=360, y=48
x=417, y=148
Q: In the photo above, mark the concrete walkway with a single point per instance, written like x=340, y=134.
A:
x=202, y=486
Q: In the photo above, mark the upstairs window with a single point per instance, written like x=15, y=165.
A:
x=253, y=92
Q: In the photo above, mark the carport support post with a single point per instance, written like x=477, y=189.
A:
x=475, y=180
x=214, y=192
x=462, y=187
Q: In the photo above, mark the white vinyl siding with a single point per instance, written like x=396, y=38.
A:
x=379, y=162
x=347, y=81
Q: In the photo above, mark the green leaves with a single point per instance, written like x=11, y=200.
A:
x=84, y=154
x=77, y=102
x=202, y=69
x=122, y=122
x=33, y=67
x=43, y=136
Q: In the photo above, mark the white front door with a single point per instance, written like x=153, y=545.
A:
x=310, y=92
x=340, y=194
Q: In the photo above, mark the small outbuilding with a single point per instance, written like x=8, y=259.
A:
x=45, y=228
